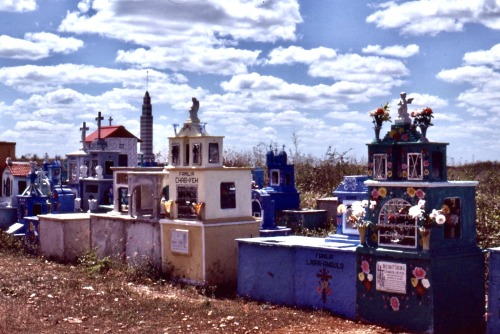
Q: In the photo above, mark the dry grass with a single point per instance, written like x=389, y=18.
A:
x=40, y=296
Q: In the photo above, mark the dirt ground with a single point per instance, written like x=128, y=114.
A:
x=40, y=296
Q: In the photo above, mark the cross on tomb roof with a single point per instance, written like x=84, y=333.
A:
x=84, y=129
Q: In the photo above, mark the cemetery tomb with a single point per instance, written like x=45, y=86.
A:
x=207, y=207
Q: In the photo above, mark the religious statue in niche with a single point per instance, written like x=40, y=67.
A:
x=403, y=108
x=193, y=112
x=197, y=154
x=175, y=154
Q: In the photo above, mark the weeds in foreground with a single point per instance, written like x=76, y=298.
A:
x=93, y=264
x=9, y=243
x=144, y=270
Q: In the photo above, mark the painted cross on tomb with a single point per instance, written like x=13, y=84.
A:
x=324, y=284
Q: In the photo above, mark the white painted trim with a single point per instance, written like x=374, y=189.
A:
x=449, y=184
x=203, y=255
x=196, y=223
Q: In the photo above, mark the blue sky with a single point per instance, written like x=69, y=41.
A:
x=263, y=71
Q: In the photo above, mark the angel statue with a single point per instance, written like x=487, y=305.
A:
x=193, y=112
x=403, y=108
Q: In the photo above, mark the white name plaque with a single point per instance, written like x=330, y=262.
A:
x=391, y=277
x=179, y=241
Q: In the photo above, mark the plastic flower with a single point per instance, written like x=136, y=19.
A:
x=422, y=117
x=416, y=212
x=358, y=210
x=394, y=303
x=426, y=219
x=440, y=219
x=380, y=115
x=419, y=272
x=426, y=283
x=420, y=193
x=410, y=191
x=365, y=267
x=414, y=282
x=375, y=193
x=382, y=192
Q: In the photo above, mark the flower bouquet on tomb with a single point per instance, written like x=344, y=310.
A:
x=379, y=116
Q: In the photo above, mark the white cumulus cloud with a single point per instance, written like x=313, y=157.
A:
x=18, y=5
x=432, y=17
x=36, y=46
x=393, y=51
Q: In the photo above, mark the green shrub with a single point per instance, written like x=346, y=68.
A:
x=95, y=265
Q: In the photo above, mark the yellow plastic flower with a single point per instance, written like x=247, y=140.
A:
x=382, y=192
x=410, y=191
x=340, y=209
x=445, y=209
x=361, y=276
x=414, y=281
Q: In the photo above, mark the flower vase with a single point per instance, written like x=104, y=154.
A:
x=377, y=133
x=362, y=228
x=425, y=236
x=423, y=130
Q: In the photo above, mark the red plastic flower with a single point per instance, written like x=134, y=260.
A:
x=365, y=267
x=420, y=193
x=394, y=303
x=419, y=272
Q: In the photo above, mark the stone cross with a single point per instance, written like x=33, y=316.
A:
x=99, y=118
x=84, y=129
x=100, y=142
x=110, y=119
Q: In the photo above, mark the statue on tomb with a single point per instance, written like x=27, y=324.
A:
x=403, y=108
x=193, y=112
